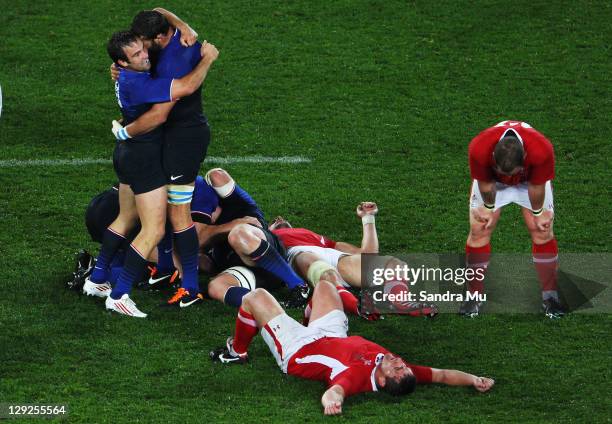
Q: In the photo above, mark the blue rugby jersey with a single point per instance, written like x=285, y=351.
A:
x=136, y=93
x=176, y=61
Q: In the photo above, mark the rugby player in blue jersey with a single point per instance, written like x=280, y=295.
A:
x=245, y=252
x=137, y=163
x=227, y=220
x=186, y=139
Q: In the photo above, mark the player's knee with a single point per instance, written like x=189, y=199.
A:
x=318, y=270
x=217, y=289
x=324, y=288
x=220, y=181
x=242, y=238
x=479, y=234
x=217, y=177
x=541, y=237
x=257, y=296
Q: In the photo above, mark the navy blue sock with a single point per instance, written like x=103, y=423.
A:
x=237, y=201
x=133, y=270
x=186, y=243
x=114, y=274
x=233, y=296
x=111, y=242
x=164, y=254
x=266, y=257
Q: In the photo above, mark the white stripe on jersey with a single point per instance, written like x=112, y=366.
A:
x=336, y=366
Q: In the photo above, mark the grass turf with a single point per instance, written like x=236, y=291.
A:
x=384, y=98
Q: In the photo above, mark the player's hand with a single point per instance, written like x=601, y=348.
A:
x=366, y=208
x=119, y=131
x=484, y=216
x=114, y=72
x=332, y=408
x=483, y=384
x=209, y=51
x=544, y=221
x=188, y=35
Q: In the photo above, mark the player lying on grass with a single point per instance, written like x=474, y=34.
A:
x=222, y=214
x=314, y=256
x=323, y=351
x=245, y=252
x=513, y=163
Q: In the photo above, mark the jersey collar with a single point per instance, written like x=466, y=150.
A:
x=377, y=362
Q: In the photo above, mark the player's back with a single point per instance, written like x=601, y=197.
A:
x=176, y=61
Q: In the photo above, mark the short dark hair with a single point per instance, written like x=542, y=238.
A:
x=149, y=24
x=117, y=42
x=508, y=154
x=401, y=387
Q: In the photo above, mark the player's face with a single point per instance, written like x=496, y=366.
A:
x=394, y=367
x=279, y=222
x=138, y=56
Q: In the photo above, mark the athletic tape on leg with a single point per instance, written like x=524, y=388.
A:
x=316, y=270
x=180, y=194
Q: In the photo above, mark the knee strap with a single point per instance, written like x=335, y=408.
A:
x=180, y=194
x=316, y=270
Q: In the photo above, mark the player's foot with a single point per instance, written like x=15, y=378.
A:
x=84, y=264
x=227, y=355
x=366, y=308
x=124, y=306
x=553, y=309
x=298, y=297
x=159, y=280
x=96, y=289
x=182, y=299
x=419, y=309
x=470, y=308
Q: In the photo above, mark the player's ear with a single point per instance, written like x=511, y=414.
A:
x=122, y=63
x=381, y=380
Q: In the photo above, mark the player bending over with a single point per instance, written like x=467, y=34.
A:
x=323, y=351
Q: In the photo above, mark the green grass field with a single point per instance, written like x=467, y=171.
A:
x=383, y=97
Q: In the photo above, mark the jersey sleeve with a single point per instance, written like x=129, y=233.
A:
x=194, y=54
x=329, y=243
x=353, y=381
x=543, y=166
x=423, y=375
x=479, y=165
x=151, y=90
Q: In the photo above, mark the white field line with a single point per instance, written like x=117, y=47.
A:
x=13, y=163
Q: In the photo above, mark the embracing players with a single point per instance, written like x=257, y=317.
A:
x=511, y=162
x=137, y=162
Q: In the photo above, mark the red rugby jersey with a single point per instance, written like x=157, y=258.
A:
x=349, y=362
x=302, y=237
x=539, y=165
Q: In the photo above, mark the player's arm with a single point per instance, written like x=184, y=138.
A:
x=536, y=196
x=332, y=400
x=181, y=87
x=488, y=190
x=188, y=35
x=484, y=213
x=460, y=378
x=369, y=242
